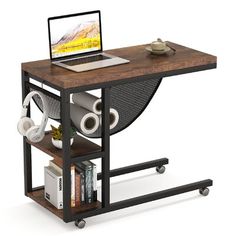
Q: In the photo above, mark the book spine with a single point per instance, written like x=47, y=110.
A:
x=82, y=188
x=88, y=184
x=53, y=189
x=57, y=165
x=94, y=183
x=72, y=186
x=59, y=193
x=87, y=180
x=77, y=189
x=82, y=184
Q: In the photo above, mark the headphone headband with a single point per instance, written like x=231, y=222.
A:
x=45, y=108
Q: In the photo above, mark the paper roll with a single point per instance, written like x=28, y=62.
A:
x=88, y=101
x=114, y=118
x=86, y=121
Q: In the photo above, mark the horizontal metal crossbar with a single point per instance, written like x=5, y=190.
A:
x=145, y=198
x=136, y=167
x=44, y=91
x=90, y=156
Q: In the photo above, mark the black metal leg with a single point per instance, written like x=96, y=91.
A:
x=65, y=122
x=161, y=194
x=147, y=198
x=136, y=167
x=26, y=146
x=105, y=147
x=105, y=157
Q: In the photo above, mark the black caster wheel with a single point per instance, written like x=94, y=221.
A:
x=204, y=191
x=160, y=169
x=80, y=223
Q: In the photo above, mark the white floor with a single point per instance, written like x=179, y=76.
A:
x=189, y=212
x=191, y=120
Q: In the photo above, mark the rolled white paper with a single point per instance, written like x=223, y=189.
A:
x=114, y=118
x=86, y=121
x=88, y=101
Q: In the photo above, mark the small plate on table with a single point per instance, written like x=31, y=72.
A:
x=158, y=52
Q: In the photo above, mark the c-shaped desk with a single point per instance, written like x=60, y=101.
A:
x=143, y=70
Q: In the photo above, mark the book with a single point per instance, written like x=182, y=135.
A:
x=89, y=181
x=57, y=165
x=72, y=186
x=53, y=190
x=77, y=189
x=87, y=168
x=82, y=187
x=94, y=181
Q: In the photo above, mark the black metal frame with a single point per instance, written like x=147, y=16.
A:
x=106, y=173
x=56, y=97
x=127, y=80
x=26, y=146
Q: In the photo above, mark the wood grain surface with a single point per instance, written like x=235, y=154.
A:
x=38, y=196
x=81, y=146
x=141, y=63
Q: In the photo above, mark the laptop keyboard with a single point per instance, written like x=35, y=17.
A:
x=84, y=60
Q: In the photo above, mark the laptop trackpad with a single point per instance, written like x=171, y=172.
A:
x=85, y=60
x=98, y=64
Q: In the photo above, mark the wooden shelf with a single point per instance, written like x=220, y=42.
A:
x=80, y=147
x=38, y=196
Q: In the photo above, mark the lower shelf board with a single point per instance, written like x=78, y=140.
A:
x=38, y=196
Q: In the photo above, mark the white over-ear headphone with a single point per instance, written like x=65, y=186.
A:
x=26, y=126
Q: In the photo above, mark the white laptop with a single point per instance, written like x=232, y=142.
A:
x=75, y=42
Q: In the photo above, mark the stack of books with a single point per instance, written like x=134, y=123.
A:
x=83, y=183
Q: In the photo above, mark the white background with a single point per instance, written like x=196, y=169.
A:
x=191, y=119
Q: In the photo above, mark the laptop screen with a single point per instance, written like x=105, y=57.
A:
x=74, y=34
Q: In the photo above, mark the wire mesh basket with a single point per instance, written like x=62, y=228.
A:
x=130, y=100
